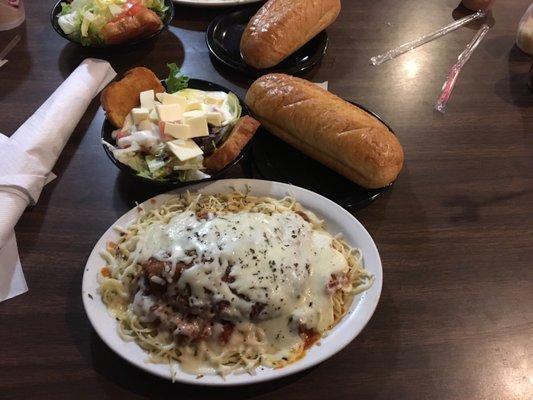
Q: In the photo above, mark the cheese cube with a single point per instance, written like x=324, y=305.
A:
x=139, y=114
x=194, y=104
x=193, y=114
x=216, y=98
x=197, y=124
x=214, y=118
x=159, y=97
x=147, y=99
x=153, y=115
x=184, y=149
x=115, y=10
x=128, y=122
x=169, y=112
x=174, y=99
x=179, y=131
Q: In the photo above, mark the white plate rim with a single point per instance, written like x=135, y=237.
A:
x=215, y=3
x=339, y=337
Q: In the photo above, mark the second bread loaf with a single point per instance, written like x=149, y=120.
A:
x=281, y=27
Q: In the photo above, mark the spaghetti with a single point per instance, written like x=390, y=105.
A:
x=225, y=283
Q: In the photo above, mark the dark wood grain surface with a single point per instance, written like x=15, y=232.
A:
x=455, y=319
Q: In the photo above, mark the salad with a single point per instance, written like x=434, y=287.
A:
x=170, y=134
x=103, y=22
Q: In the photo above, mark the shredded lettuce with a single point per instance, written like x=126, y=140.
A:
x=154, y=163
x=70, y=22
x=176, y=81
x=191, y=94
x=234, y=108
x=157, y=6
x=66, y=8
x=158, y=167
x=134, y=161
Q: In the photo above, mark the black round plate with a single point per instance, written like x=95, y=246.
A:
x=223, y=39
x=56, y=10
x=108, y=128
x=277, y=161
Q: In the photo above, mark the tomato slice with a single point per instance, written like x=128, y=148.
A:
x=131, y=8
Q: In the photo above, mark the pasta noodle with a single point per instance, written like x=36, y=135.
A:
x=250, y=344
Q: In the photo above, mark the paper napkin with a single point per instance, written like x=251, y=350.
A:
x=28, y=156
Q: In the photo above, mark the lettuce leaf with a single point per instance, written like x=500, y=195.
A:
x=234, y=108
x=70, y=23
x=157, y=6
x=176, y=81
x=66, y=8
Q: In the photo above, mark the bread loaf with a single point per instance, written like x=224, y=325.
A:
x=281, y=27
x=336, y=133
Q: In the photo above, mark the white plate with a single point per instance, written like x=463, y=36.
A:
x=337, y=220
x=215, y=3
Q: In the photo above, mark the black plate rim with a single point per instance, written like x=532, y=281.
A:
x=230, y=63
x=56, y=9
x=358, y=205
x=193, y=82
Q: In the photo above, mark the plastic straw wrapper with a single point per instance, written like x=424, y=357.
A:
x=447, y=88
x=404, y=48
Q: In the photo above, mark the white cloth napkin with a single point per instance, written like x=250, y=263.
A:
x=28, y=156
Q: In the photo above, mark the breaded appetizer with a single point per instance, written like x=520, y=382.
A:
x=119, y=98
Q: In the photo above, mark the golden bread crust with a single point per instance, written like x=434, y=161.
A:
x=281, y=27
x=336, y=133
x=118, y=98
x=131, y=27
x=241, y=134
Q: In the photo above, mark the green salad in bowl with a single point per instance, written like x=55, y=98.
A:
x=102, y=23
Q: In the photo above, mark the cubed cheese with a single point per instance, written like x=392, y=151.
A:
x=139, y=114
x=115, y=9
x=153, y=115
x=174, y=99
x=159, y=96
x=197, y=124
x=216, y=98
x=214, y=118
x=147, y=99
x=184, y=149
x=179, y=131
x=193, y=104
x=169, y=112
x=128, y=122
x=193, y=114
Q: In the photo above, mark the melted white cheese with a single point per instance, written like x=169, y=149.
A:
x=277, y=260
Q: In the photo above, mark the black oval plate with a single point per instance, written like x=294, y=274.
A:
x=275, y=160
x=223, y=39
x=108, y=128
x=54, y=14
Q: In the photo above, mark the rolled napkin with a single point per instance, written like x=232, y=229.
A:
x=28, y=156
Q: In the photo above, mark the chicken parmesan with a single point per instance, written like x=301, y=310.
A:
x=226, y=283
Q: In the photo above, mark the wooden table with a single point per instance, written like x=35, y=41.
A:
x=455, y=319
